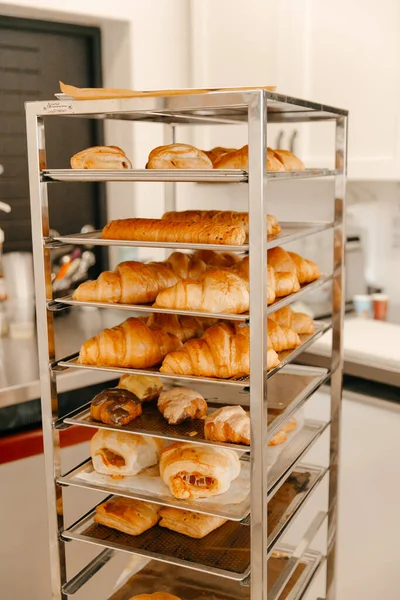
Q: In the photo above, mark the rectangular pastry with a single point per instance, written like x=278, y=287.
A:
x=127, y=515
x=188, y=523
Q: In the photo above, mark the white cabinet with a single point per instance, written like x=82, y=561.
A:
x=345, y=54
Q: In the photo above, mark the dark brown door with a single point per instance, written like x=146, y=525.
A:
x=34, y=56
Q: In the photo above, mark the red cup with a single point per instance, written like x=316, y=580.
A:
x=380, y=306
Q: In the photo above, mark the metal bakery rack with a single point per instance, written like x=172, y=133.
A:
x=244, y=559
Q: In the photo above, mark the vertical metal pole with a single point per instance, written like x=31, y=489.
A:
x=257, y=132
x=337, y=349
x=169, y=188
x=46, y=349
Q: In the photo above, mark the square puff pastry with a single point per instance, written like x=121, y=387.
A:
x=155, y=596
x=194, y=471
x=189, y=523
x=127, y=515
x=101, y=157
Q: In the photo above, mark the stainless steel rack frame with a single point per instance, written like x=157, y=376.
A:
x=257, y=108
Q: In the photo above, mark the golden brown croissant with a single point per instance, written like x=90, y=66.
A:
x=228, y=424
x=155, y=596
x=186, y=266
x=279, y=284
x=184, y=327
x=145, y=387
x=289, y=160
x=130, y=283
x=222, y=352
x=181, y=404
x=239, y=159
x=101, y=157
x=127, y=515
x=299, y=322
x=217, y=152
x=223, y=217
x=305, y=270
x=213, y=258
x=132, y=344
x=217, y=292
x=281, y=338
x=115, y=406
x=178, y=156
x=194, y=525
x=159, y=230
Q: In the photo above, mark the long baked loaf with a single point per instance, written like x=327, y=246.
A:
x=159, y=230
x=223, y=217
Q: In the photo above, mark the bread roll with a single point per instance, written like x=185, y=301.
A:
x=101, y=157
x=178, y=156
x=239, y=159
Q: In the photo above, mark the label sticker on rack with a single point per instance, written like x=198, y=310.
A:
x=58, y=107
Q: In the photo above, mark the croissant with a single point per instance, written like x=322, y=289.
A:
x=228, y=424
x=130, y=283
x=223, y=217
x=101, y=157
x=299, y=322
x=281, y=338
x=222, y=352
x=217, y=292
x=239, y=159
x=178, y=156
x=184, y=327
x=115, y=406
x=213, y=258
x=279, y=284
x=186, y=266
x=305, y=270
x=132, y=344
x=217, y=152
x=181, y=404
x=159, y=230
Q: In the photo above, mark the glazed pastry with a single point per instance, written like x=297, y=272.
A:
x=127, y=515
x=160, y=230
x=299, y=322
x=132, y=344
x=194, y=525
x=223, y=217
x=101, y=157
x=178, y=156
x=122, y=454
x=217, y=292
x=155, y=596
x=239, y=159
x=131, y=282
x=195, y=471
x=186, y=266
x=281, y=338
x=115, y=406
x=142, y=386
x=289, y=160
x=217, y=152
x=213, y=258
x=181, y=404
x=222, y=352
x=184, y=327
x=228, y=424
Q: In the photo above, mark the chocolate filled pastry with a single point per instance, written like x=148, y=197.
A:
x=127, y=515
x=155, y=596
x=228, y=424
x=194, y=525
x=194, y=471
x=122, y=454
x=181, y=404
x=142, y=386
x=115, y=406
x=101, y=157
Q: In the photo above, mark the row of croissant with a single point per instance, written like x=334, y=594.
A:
x=184, y=156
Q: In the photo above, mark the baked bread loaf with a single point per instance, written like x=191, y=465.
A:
x=130, y=283
x=281, y=338
x=222, y=352
x=228, y=424
x=132, y=344
x=289, y=160
x=184, y=327
x=217, y=292
x=156, y=596
x=186, y=266
x=196, y=471
x=194, y=525
x=239, y=159
x=181, y=404
x=217, y=152
x=101, y=157
x=223, y=217
x=161, y=230
x=305, y=270
x=122, y=454
x=145, y=388
x=115, y=406
x=127, y=515
x=178, y=156
x=213, y=258
x=299, y=322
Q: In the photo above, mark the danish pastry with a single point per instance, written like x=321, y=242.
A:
x=194, y=525
x=115, y=406
x=144, y=387
x=127, y=515
x=181, y=404
x=228, y=424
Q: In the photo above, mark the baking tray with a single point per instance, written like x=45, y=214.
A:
x=290, y=232
x=285, y=357
x=163, y=175
x=286, y=393
x=59, y=303
x=286, y=462
x=185, y=584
